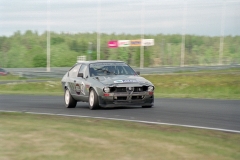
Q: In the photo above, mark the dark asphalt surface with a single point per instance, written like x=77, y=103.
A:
x=222, y=114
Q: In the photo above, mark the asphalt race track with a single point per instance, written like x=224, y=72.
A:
x=217, y=114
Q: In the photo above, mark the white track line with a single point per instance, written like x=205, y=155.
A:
x=127, y=120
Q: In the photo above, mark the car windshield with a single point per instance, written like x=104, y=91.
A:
x=103, y=69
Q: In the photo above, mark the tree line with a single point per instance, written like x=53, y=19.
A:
x=29, y=49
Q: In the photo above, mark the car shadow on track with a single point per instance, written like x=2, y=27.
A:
x=85, y=106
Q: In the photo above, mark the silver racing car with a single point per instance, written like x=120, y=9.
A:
x=106, y=83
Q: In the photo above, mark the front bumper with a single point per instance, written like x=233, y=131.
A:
x=126, y=99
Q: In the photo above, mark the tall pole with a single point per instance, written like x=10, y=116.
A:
x=222, y=33
x=170, y=55
x=89, y=50
x=98, y=29
x=162, y=56
x=183, y=34
x=142, y=36
x=48, y=36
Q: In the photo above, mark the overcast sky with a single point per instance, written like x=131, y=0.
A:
x=199, y=17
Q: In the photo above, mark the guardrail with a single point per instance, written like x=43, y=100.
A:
x=58, y=72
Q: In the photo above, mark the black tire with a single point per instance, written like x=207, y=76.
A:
x=93, y=100
x=149, y=106
x=68, y=99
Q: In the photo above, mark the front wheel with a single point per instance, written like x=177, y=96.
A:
x=69, y=101
x=93, y=100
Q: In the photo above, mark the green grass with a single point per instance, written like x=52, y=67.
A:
x=11, y=77
x=25, y=136
x=197, y=85
x=37, y=88
x=217, y=85
x=234, y=69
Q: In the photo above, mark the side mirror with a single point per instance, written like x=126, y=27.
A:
x=138, y=72
x=80, y=75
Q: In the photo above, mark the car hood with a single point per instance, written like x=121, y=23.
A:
x=122, y=79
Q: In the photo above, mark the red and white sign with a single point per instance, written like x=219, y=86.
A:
x=147, y=42
x=123, y=43
x=113, y=44
x=128, y=43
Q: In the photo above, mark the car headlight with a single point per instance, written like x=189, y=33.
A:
x=106, y=89
x=150, y=88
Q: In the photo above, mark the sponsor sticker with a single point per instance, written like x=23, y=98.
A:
x=118, y=81
x=126, y=81
x=130, y=81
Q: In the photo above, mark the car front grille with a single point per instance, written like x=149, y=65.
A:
x=121, y=89
x=123, y=98
x=140, y=89
x=135, y=89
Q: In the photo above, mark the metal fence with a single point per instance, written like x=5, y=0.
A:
x=58, y=72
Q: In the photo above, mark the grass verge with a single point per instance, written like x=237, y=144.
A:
x=26, y=136
x=51, y=87
x=11, y=77
x=197, y=85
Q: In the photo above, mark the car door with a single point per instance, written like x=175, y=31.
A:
x=83, y=83
x=72, y=79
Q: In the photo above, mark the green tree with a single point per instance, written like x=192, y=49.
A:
x=123, y=54
x=40, y=60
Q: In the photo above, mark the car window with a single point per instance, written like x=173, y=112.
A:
x=74, y=71
x=83, y=69
x=103, y=69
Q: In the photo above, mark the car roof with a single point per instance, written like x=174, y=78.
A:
x=100, y=61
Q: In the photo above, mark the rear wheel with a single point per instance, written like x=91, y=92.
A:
x=93, y=100
x=69, y=101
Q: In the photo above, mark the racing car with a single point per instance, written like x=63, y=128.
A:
x=3, y=72
x=106, y=83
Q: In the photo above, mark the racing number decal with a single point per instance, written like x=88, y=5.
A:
x=83, y=88
x=77, y=89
